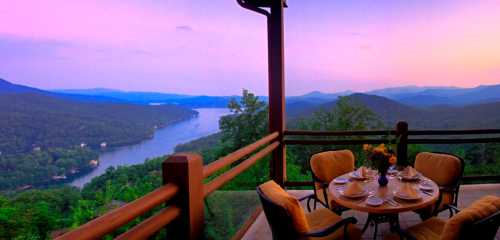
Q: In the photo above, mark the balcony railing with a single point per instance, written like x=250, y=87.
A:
x=184, y=190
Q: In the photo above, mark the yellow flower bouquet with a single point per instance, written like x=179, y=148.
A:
x=381, y=158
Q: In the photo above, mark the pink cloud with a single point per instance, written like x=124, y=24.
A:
x=216, y=47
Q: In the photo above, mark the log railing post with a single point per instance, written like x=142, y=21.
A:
x=277, y=88
x=402, y=148
x=186, y=171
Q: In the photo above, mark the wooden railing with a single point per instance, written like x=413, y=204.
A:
x=183, y=191
x=117, y=218
x=404, y=136
x=182, y=195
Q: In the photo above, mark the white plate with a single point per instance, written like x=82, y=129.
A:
x=426, y=187
x=406, y=178
x=374, y=201
x=406, y=197
x=340, y=180
x=362, y=194
x=355, y=175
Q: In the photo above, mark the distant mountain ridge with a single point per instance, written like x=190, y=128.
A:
x=435, y=96
x=8, y=87
x=438, y=117
x=146, y=98
x=410, y=95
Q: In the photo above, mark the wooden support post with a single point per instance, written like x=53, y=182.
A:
x=402, y=150
x=277, y=88
x=186, y=171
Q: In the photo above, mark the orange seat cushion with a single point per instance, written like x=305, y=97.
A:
x=328, y=165
x=323, y=218
x=303, y=223
x=444, y=169
x=279, y=196
x=478, y=210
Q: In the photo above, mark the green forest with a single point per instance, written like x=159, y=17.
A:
x=44, y=137
x=40, y=214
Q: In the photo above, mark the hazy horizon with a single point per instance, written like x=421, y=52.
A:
x=218, y=48
x=264, y=95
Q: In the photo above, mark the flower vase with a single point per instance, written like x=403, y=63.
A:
x=382, y=180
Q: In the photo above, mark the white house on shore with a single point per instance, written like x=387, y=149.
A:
x=94, y=163
x=104, y=144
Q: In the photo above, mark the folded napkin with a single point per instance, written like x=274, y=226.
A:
x=362, y=172
x=353, y=188
x=410, y=172
x=408, y=190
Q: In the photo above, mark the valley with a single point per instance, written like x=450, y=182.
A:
x=51, y=137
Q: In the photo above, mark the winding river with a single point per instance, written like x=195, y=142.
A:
x=163, y=142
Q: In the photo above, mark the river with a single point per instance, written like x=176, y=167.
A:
x=163, y=142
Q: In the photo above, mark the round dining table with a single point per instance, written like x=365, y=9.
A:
x=392, y=205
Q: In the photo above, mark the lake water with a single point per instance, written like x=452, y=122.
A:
x=163, y=142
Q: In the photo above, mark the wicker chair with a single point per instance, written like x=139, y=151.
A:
x=478, y=221
x=288, y=220
x=325, y=166
x=447, y=171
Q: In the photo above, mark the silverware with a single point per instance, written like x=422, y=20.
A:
x=427, y=193
x=391, y=202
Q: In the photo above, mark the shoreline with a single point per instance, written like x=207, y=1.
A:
x=70, y=178
x=87, y=169
x=163, y=142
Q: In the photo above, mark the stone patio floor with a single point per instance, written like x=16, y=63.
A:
x=468, y=193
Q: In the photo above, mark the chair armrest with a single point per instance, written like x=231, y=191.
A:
x=328, y=230
x=308, y=198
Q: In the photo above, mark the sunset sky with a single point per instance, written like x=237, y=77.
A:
x=217, y=48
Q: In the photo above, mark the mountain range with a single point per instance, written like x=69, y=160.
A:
x=432, y=96
x=410, y=95
x=434, y=117
x=423, y=107
x=150, y=98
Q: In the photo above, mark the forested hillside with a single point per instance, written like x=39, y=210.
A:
x=437, y=117
x=46, y=138
x=33, y=120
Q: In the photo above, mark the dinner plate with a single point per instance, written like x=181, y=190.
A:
x=358, y=195
x=355, y=175
x=340, y=180
x=426, y=187
x=403, y=196
x=407, y=178
x=374, y=201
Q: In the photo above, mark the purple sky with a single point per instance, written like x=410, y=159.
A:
x=217, y=48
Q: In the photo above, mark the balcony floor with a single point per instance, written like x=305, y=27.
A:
x=468, y=193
